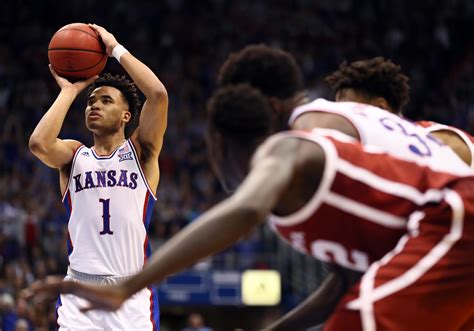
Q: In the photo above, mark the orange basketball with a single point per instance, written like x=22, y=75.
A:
x=76, y=52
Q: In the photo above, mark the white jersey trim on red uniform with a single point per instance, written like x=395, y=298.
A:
x=323, y=194
x=364, y=211
x=387, y=186
x=462, y=135
x=370, y=294
x=326, y=181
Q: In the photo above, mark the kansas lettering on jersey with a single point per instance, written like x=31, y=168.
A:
x=109, y=204
x=367, y=200
x=466, y=137
x=389, y=132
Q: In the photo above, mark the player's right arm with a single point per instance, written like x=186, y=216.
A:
x=44, y=142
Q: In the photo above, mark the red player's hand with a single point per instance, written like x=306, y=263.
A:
x=108, y=297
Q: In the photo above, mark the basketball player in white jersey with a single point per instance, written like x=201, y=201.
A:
x=407, y=222
x=381, y=83
x=109, y=188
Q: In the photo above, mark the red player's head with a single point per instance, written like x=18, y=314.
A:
x=376, y=81
x=271, y=70
x=239, y=119
x=112, y=104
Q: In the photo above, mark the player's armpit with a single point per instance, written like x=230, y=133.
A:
x=56, y=155
x=457, y=144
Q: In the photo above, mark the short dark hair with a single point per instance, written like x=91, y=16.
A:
x=273, y=71
x=239, y=119
x=239, y=111
x=375, y=77
x=126, y=87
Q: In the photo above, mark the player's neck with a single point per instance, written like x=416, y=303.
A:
x=106, y=144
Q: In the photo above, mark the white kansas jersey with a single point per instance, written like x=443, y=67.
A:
x=109, y=204
x=390, y=133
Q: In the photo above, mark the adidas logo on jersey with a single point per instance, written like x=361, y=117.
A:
x=85, y=153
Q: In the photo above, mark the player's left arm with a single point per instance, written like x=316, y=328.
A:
x=154, y=114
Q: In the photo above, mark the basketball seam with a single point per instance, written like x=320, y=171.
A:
x=75, y=49
x=90, y=34
x=87, y=68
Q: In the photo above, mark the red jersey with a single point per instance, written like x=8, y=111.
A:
x=466, y=137
x=366, y=201
x=409, y=227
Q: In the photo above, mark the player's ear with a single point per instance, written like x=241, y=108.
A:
x=126, y=116
x=382, y=103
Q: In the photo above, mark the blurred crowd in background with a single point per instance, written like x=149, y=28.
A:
x=185, y=42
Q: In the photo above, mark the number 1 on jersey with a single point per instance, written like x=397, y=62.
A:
x=105, y=216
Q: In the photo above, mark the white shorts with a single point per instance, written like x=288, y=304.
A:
x=140, y=312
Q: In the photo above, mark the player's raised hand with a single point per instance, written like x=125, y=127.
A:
x=107, y=38
x=66, y=84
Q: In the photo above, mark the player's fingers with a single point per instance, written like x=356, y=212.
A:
x=41, y=298
x=26, y=294
x=97, y=28
x=38, y=292
x=52, y=71
x=92, y=79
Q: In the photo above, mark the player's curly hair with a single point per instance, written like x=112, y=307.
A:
x=273, y=71
x=376, y=77
x=128, y=89
x=239, y=111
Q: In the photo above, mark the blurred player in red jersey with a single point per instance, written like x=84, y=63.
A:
x=276, y=74
x=381, y=83
x=407, y=225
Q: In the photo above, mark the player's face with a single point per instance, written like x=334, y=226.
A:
x=106, y=110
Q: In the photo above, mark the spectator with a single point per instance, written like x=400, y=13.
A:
x=196, y=323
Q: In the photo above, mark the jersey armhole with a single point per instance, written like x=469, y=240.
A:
x=441, y=127
x=330, y=169
x=132, y=146
x=73, y=162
